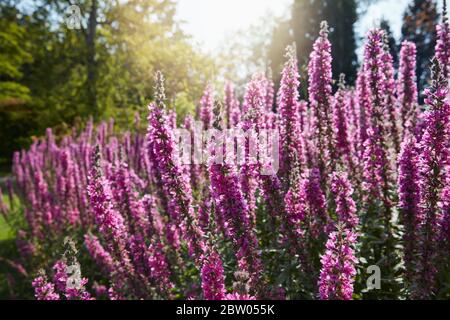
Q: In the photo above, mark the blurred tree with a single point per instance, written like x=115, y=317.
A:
x=13, y=56
x=104, y=68
x=13, y=94
x=248, y=51
x=263, y=45
x=419, y=23
x=341, y=16
x=145, y=37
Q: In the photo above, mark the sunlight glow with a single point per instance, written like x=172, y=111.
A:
x=209, y=21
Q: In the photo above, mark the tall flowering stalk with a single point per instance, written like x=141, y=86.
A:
x=308, y=136
x=213, y=282
x=206, y=107
x=407, y=86
x=232, y=109
x=306, y=223
x=391, y=116
x=352, y=111
x=320, y=95
x=339, y=261
x=316, y=203
x=338, y=266
x=442, y=48
x=252, y=121
x=362, y=100
x=159, y=268
x=232, y=208
x=433, y=165
x=376, y=182
x=270, y=91
x=127, y=199
x=269, y=184
x=193, y=170
x=377, y=175
x=345, y=205
x=341, y=133
x=290, y=142
x=160, y=143
x=295, y=211
x=408, y=191
x=110, y=223
x=445, y=227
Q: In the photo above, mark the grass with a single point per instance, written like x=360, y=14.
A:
x=5, y=231
x=21, y=286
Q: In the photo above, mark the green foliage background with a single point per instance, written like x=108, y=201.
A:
x=52, y=76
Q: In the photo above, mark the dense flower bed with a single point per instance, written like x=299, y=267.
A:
x=363, y=181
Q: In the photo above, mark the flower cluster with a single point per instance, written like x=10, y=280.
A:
x=320, y=97
x=338, y=266
x=363, y=180
x=407, y=87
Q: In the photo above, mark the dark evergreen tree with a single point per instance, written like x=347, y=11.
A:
x=341, y=16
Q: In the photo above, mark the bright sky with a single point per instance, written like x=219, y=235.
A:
x=210, y=21
x=391, y=10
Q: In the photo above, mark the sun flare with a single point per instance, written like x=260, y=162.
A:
x=210, y=20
